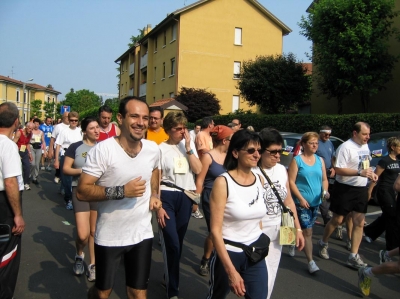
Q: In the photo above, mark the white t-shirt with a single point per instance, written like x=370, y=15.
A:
x=279, y=177
x=127, y=221
x=354, y=156
x=168, y=155
x=67, y=137
x=58, y=129
x=10, y=162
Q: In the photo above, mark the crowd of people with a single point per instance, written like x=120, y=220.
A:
x=117, y=177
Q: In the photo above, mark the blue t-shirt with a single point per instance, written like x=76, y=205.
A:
x=47, y=130
x=309, y=181
x=326, y=151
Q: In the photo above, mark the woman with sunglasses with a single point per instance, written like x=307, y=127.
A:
x=272, y=142
x=237, y=208
x=212, y=167
x=85, y=211
x=179, y=162
x=308, y=183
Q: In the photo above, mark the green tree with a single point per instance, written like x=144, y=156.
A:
x=113, y=104
x=135, y=38
x=49, y=109
x=200, y=103
x=82, y=100
x=36, y=108
x=275, y=83
x=351, y=46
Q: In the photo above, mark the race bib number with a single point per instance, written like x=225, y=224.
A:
x=180, y=165
x=49, y=135
x=37, y=139
x=22, y=148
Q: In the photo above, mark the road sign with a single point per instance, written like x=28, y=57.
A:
x=65, y=109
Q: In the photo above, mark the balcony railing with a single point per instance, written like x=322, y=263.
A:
x=142, y=90
x=143, y=61
x=132, y=69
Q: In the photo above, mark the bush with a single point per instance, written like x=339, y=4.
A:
x=300, y=123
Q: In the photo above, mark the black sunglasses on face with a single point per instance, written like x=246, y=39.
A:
x=274, y=152
x=252, y=150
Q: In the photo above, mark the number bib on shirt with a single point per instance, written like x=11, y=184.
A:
x=37, y=139
x=49, y=134
x=22, y=148
x=180, y=165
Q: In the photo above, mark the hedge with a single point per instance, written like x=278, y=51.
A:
x=300, y=123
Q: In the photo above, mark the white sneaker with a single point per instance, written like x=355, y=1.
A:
x=197, y=214
x=27, y=187
x=42, y=168
x=348, y=245
x=56, y=180
x=339, y=232
x=291, y=250
x=368, y=239
x=312, y=267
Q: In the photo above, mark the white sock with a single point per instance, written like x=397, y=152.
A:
x=352, y=255
x=323, y=243
x=368, y=272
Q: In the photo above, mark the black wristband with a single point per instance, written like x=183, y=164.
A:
x=115, y=193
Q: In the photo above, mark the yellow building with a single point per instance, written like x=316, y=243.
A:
x=201, y=46
x=12, y=90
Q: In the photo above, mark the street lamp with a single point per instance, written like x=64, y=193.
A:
x=24, y=99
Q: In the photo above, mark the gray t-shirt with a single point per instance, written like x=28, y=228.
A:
x=78, y=152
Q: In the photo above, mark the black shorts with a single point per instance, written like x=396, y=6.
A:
x=82, y=206
x=348, y=198
x=137, y=261
x=205, y=204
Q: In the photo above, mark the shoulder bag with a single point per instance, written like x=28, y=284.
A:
x=256, y=251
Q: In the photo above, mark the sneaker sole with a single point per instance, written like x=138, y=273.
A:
x=354, y=266
x=315, y=270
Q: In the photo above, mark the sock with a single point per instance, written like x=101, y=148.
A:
x=81, y=256
x=204, y=261
x=387, y=254
x=368, y=272
x=323, y=243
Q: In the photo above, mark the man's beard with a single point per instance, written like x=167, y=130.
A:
x=135, y=138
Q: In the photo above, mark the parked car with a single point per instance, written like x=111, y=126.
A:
x=291, y=146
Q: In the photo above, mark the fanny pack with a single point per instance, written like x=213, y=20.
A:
x=256, y=251
x=36, y=145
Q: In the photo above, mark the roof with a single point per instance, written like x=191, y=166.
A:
x=29, y=85
x=308, y=66
x=169, y=104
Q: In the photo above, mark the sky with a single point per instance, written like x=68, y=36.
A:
x=74, y=43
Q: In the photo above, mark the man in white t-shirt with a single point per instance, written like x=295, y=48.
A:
x=122, y=175
x=350, y=193
x=11, y=184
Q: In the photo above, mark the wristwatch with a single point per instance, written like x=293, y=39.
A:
x=190, y=152
x=359, y=172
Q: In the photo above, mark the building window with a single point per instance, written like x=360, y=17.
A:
x=172, y=66
x=163, y=76
x=165, y=38
x=17, y=96
x=24, y=97
x=171, y=94
x=238, y=36
x=235, y=103
x=236, y=70
x=155, y=44
x=162, y=96
x=154, y=76
x=53, y=100
x=174, y=29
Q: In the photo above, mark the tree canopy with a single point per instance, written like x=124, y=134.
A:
x=135, y=38
x=351, y=46
x=36, y=108
x=275, y=83
x=81, y=100
x=200, y=103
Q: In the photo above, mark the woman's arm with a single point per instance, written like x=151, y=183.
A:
x=379, y=170
x=293, y=170
x=205, y=165
x=43, y=143
x=218, y=200
x=68, y=169
x=325, y=183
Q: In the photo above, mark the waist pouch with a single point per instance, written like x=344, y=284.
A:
x=36, y=145
x=256, y=251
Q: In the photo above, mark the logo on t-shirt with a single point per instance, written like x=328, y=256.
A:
x=84, y=155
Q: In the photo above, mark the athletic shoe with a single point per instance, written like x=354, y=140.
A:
x=291, y=251
x=35, y=182
x=364, y=282
x=312, y=267
x=69, y=205
x=27, y=187
x=42, y=168
x=56, y=180
x=348, y=245
x=383, y=257
x=91, y=272
x=204, y=268
x=175, y=297
x=79, y=267
x=323, y=250
x=368, y=239
x=356, y=262
x=48, y=168
x=339, y=232
x=197, y=214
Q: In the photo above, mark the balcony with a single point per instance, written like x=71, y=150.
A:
x=131, y=69
x=130, y=92
x=143, y=61
x=142, y=90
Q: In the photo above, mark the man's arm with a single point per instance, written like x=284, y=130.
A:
x=155, y=202
x=13, y=196
x=51, y=148
x=396, y=185
x=17, y=136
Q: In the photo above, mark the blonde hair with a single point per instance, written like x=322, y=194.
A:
x=173, y=119
x=392, y=141
x=307, y=136
x=73, y=114
x=250, y=128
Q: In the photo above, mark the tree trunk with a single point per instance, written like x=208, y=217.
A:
x=365, y=101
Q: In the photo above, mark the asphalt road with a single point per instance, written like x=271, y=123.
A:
x=48, y=251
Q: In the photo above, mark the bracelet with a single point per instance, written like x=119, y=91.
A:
x=299, y=230
x=114, y=193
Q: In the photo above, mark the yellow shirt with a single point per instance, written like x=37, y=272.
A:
x=157, y=137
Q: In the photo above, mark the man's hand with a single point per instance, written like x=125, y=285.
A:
x=161, y=215
x=155, y=203
x=19, y=225
x=332, y=172
x=56, y=164
x=30, y=157
x=135, y=187
x=369, y=173
x=50, y=153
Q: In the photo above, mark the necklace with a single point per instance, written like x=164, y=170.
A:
x=130, y=154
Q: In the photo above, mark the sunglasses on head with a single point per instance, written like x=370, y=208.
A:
x=274, y=152
x=252, y=150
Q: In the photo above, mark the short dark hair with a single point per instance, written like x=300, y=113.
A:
x=36, y=120
x=238, y=141
x=86, y=121
x=206, y=121
x=357, y=126
x=157, y=108
x=270, y=136
x=8, y=114
x=105, y=108
x=124, y=101
x=47, y=117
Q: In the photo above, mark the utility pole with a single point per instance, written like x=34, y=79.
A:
x=24, y=99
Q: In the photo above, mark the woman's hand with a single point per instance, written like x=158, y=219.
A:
x=236, y=283
x=161, y=215
x=304, y=204
x=186, y=135
x=56, y=164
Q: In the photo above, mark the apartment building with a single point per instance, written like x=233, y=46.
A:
x=202, y=45
x=12, y=90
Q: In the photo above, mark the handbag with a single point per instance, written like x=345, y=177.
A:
x=193, y=196
x=287, y=232
x=256, y=251
x=36, y=145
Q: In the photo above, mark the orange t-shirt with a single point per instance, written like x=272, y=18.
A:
x=157, y=137
x=203, y=142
